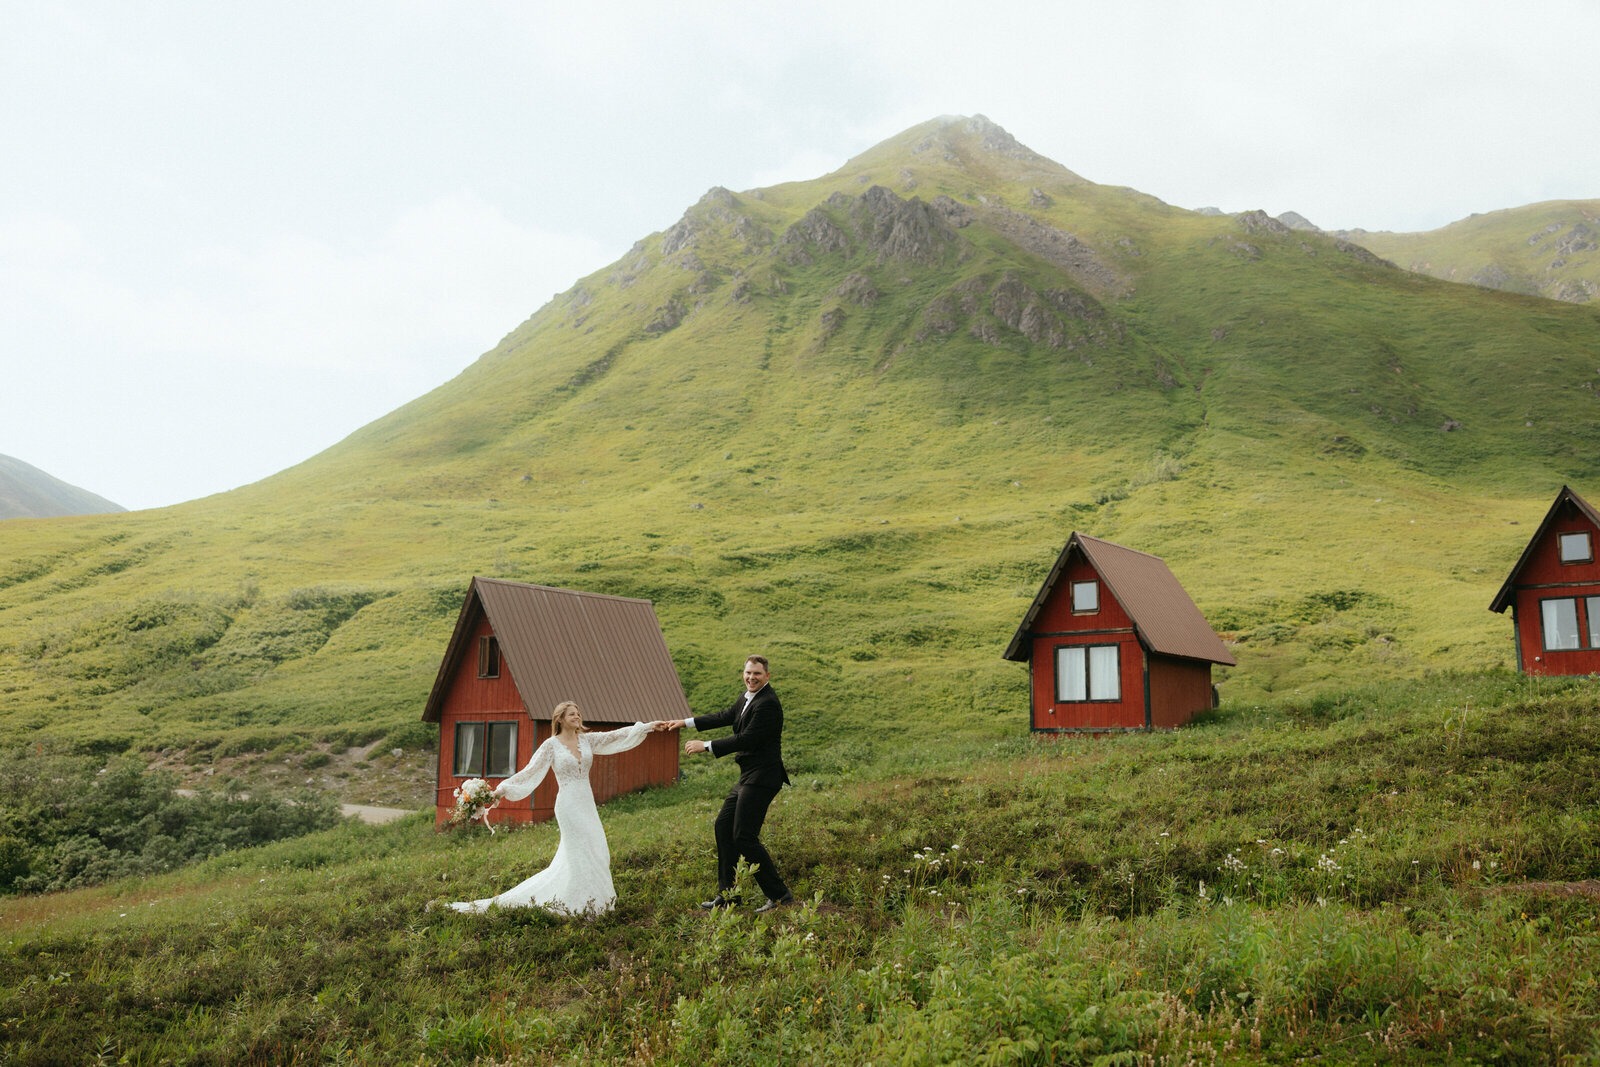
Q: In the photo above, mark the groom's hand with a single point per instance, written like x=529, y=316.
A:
x=694, y=746
x=670, y=724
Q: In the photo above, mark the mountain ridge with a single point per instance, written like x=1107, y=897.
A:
x=28, y=492
x=1549, y=249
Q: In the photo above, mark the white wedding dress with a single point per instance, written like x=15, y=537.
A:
x=578, y=880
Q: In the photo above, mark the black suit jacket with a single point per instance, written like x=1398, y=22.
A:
x=756, y=743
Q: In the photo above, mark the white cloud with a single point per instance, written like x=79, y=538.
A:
x=267, y=354
x=262, y=224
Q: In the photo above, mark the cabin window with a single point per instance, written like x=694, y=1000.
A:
x=1088, y=673
x=487, y=749
x=488, y=657
x=1591, y=608
x=1576, y=547
x=1560, y=618
x=1085, y=598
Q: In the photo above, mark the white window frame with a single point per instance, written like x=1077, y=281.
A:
x=1093, y=588
x=1101, y=681
x=1547, y=607
x=1572, y=536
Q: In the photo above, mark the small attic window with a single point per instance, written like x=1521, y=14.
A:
x=1085, y=598
x=488, y=657
x=1576, y=547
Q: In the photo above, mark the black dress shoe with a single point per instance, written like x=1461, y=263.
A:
x=719, y=901
x=774, y=905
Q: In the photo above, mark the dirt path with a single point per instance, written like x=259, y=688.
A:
x=373, y=815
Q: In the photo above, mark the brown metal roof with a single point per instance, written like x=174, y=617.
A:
x=1164, y=617
x=1502, y=599
x=606, y=653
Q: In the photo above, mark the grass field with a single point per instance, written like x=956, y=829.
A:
x=1359, y=877
x=850, y=423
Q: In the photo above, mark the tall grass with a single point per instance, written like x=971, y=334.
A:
x=1350, y=878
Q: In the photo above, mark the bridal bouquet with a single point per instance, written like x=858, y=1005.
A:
x=474, y=798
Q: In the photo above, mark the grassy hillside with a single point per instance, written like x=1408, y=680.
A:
x=849, y=423
x=1550, y=250
x=1379, y=874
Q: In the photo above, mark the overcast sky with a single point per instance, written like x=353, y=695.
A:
x=232, y=233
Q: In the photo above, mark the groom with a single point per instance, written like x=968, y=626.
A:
x=756, y=744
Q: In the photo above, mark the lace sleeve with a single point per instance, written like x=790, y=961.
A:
x=527, y=780
x=603, y=743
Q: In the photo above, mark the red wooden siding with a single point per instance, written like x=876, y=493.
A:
x=1543, y=576
x=1165, y=647
x=1057, y=625
x=1179, y=690
x=557, y=645
x=469, y=698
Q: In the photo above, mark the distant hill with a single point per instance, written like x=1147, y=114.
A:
x=28, y=492
x=1550, y=249
x=850, y=422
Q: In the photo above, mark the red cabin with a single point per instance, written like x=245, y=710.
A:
x=1115, y=643
x=519, y=650
x=1554, y=592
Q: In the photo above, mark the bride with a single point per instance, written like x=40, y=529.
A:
x=578, y=880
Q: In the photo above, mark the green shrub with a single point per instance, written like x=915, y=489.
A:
x=67, y=822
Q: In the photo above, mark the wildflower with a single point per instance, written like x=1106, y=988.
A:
x=1474, y=864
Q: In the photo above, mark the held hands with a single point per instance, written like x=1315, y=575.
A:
x=666, y=724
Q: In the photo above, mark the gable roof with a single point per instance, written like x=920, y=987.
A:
x=606, y=653
x=1502, y=599
x=1164, y=617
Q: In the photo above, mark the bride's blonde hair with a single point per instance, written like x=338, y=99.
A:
x=560, y=713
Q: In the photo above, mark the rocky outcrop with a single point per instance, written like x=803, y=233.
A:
x=667, y=317
x=997, y=142
x=1056, y=246
x=1260, y=222
x=815, y=234
x=879, y=222
x=1579, y=239
x=1365, y=255
x=717, y=208
x=858, y=289
x=1296, y=221
x=1578, y=291
x=897, y=229
x=994, y=310
x=954, y=212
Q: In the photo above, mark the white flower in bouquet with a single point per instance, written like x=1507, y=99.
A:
x=474, y=798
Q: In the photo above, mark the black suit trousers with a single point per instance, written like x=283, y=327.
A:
x=738, y=830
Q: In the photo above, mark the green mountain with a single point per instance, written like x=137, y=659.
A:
x=28, y=492
x=1550, y=249
x=850, y=422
